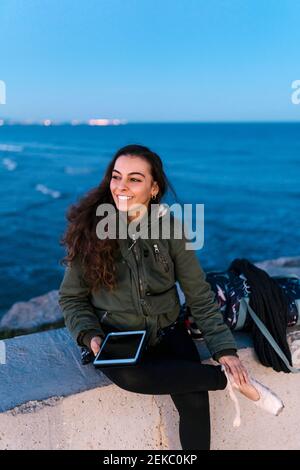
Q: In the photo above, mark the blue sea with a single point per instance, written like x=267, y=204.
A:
x=246, y=175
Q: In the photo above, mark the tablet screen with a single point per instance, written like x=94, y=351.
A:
x=119, y=347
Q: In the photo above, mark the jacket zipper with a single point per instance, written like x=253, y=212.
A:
x=140, y=280
x=134, y=242
x=134, y=249
x=160, y=258
x=156, y=252
x=104, y=316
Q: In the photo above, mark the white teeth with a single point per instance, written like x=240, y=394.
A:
x=124, y=198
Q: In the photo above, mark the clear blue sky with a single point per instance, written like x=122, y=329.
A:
x=150, y=60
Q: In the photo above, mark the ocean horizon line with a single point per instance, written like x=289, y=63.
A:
x=40, y=123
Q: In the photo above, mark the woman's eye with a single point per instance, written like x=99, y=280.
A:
x=131, y=179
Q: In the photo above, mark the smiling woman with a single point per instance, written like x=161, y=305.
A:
x=132, y=184
x=145, y=186
x=116, y=285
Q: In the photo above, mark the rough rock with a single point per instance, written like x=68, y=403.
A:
x=37, y=314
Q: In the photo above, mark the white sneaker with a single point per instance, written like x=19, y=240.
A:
x=267, y=399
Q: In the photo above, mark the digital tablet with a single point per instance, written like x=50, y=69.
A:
x=121, y=348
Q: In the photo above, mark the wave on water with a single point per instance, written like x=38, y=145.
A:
x=77, y=171
x=286, y=261
x=282, y=266
x=43, y=189
x=47, y=146
x=232, y=152
x=10, y=148
x=9, y=164
x=32, y=206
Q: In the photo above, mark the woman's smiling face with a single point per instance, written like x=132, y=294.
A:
x=131, y=183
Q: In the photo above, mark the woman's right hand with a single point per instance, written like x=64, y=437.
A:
x=95, y=344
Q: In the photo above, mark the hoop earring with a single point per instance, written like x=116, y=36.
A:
x=153, y=198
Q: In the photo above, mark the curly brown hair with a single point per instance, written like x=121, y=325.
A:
x=96, y=255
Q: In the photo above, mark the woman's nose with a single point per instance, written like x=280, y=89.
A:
x=122, y=184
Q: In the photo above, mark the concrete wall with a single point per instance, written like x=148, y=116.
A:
x=50, y=401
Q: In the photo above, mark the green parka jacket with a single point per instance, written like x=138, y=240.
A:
x=146, y=295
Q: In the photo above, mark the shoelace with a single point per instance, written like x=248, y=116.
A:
x=237, y=418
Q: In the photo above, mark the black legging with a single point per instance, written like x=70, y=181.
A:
x=173, y=368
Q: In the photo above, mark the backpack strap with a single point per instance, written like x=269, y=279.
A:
x=242, y=315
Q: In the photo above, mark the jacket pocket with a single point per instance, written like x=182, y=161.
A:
x=159, y=267
x=164, y=302
x=161, y=258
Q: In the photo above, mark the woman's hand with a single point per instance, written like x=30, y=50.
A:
x=235, y=367
x=95, y=344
